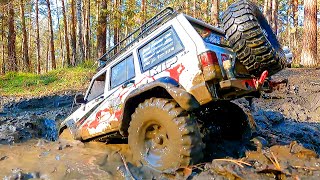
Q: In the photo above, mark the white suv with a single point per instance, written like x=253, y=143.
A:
x=151, y=86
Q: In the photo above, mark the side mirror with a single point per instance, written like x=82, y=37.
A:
x=79, y=99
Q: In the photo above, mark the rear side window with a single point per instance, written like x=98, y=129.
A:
x=159, y=49
x=122, y=72
x=209, y=36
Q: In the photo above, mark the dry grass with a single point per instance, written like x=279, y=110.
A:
x=237, y=162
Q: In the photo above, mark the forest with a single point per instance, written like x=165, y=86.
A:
x=41, y=35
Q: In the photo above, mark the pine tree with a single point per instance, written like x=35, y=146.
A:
x=12, y=59
x=52, y=55
x=66, y=35
x=101, y=28
x=26, y=60
x=309, y=45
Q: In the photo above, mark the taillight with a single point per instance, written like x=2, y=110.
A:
x=210, y=65
x=208, y=58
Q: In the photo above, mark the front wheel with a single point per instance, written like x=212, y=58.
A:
x=163, y=136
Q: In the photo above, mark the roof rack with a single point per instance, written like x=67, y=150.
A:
x=144, y=30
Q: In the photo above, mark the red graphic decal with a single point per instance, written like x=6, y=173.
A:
x=175, y=72
x=122, y=94
x=118, y=114
x=94, y=123
x=98, y=115
x=124, y=91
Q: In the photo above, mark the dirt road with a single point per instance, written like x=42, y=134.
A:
x=285, y=143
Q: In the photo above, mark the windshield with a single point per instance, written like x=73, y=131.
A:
x=96, y=88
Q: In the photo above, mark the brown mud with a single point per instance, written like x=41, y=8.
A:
x=285, y=142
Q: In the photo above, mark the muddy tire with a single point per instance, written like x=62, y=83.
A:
x=162, y=135
x=251, y=37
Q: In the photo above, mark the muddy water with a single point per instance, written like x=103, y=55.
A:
x=62, y=160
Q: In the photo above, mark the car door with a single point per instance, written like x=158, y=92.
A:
x=106, y=117
x=92, y=99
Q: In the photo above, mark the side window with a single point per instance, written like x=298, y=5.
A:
x=122, y=72
x=97, y=87
x=159, y=49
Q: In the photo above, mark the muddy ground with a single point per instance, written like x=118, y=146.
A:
x=285, y=141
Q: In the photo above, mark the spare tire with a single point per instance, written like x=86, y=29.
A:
x=251, y=37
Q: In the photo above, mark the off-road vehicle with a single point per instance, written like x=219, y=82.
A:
x=152, y=86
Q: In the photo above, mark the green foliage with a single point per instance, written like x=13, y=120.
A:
x=87, y=64
x=19, y=83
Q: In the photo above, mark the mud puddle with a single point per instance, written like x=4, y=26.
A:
x=61, y=160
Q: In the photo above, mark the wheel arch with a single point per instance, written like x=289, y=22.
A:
x=162, y=88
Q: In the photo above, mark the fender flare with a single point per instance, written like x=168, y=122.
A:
x=165, y=87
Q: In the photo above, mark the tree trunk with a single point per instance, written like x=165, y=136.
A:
x=269, y=12
x=295, y=15
x=12, y=59
x=194, y=8
x=98, y=9
x=109, y=30
x=60, y=37
x=186, y=6
x=2, y=67
x=66, y=35
x=26, y=61
x=101, y=29
x=87, y=34
x=47, y=56
x=115, y=23
x=30, y=40
x=80, y=39
x=215, y=12
x=206, y=10
x=117, y=18
x=143, y=10
x=38, y=38
x=73, y=34
x=288, y=23
x=53, y=60
x=309, y=46
x=275, y=6
x=265, y=8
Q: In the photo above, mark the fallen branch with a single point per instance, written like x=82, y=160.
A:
x=126, y=166
x=239, y=163
x=198, y=166
x=277, y=165
x=274, y=161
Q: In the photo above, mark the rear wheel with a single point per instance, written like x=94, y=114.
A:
x=163, y=136
x=251, y=37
